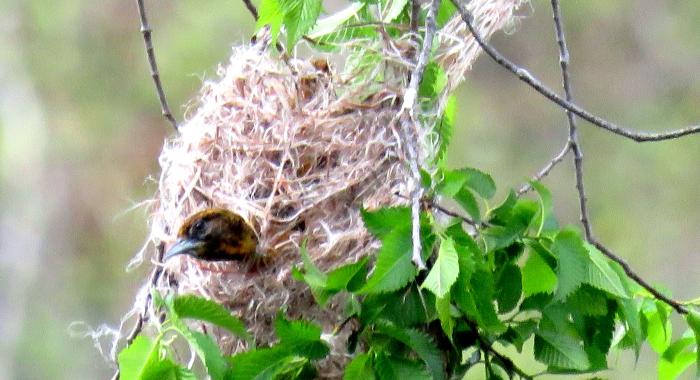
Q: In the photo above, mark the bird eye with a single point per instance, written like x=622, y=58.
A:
x=197, y=230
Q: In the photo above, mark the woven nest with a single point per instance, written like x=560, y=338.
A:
x=297, y=152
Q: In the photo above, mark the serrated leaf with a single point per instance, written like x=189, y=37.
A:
x=331, y=23
x=471, y=178
x=502, y=212
x=601, y=275
x=693, y=319
x=260, y=364
x=271, y=13
x=207, y=351
x=360, y=368
x=389, y=368
x=194, y=307
x=141, y=357
x=445, y=127
x=349, y=276
x=421, y=344
x=538, y=277
x=572, y=268
x=482, y=289
x=303, y=338
x=382, y=221
x=508, y=288
x=560, y=350
x=444, y=272
x=588, y=301
x=394, y=10
x=394, y=268
x=300, y=17
x=434, y=80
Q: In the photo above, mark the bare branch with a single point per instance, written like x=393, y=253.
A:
x=578, y=165
x=148, y=42
x=546, y=169
x=536, y=84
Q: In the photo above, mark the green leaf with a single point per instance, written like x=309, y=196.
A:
x=601, y=275
x=445, y=127
x=349, y=276
x=478, y=302
x=588, y=301
x=258, y=364
x=141, y=357
x=194, y=307
x=573, y=260
x=560, y=350
x=394, y=268
x=303, y=338
x=434, y=78
x=545, y=205
x=331, y=23
x=630, y=317
x=693, y=319
x=390, y=368
x=207, y=351
x=668, y=370
x=360, y=368
x=447, y=322
x=538, y=277
x=658, y=331
x=677, y=347
x=394, y=10
x=445, y=13
x=271, y=13
x=421, y=344
x=471, y=178
x=300, y=17
x=509, y=288
x=467, y=201
x=444, y=272
x=502, y=213
x=384, y=220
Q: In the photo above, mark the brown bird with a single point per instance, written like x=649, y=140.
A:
x=214, y=234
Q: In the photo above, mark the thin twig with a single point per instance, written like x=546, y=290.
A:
x=488, y=347
x=573, y=135
x=148, y=42
x=143, y=316
x=536, y=84
x=578, y=165
x=545, y=169
x=251, y=8
x=678, y=306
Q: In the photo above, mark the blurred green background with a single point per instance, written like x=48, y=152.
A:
x=81, y=131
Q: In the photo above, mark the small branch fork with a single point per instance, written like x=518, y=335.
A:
x=148, y=42
x=572, y=143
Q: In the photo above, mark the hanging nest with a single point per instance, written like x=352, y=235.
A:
x=296, y=151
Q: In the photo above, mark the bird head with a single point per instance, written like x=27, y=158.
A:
x=214, y=235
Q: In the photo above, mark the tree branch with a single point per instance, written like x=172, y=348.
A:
x=533, y=82
x=148, y=42
x=578, y=165
x=546, y=169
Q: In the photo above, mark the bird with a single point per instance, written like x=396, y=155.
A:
x=214, y=234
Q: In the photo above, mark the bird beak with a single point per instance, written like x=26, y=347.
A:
x=182, y=247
